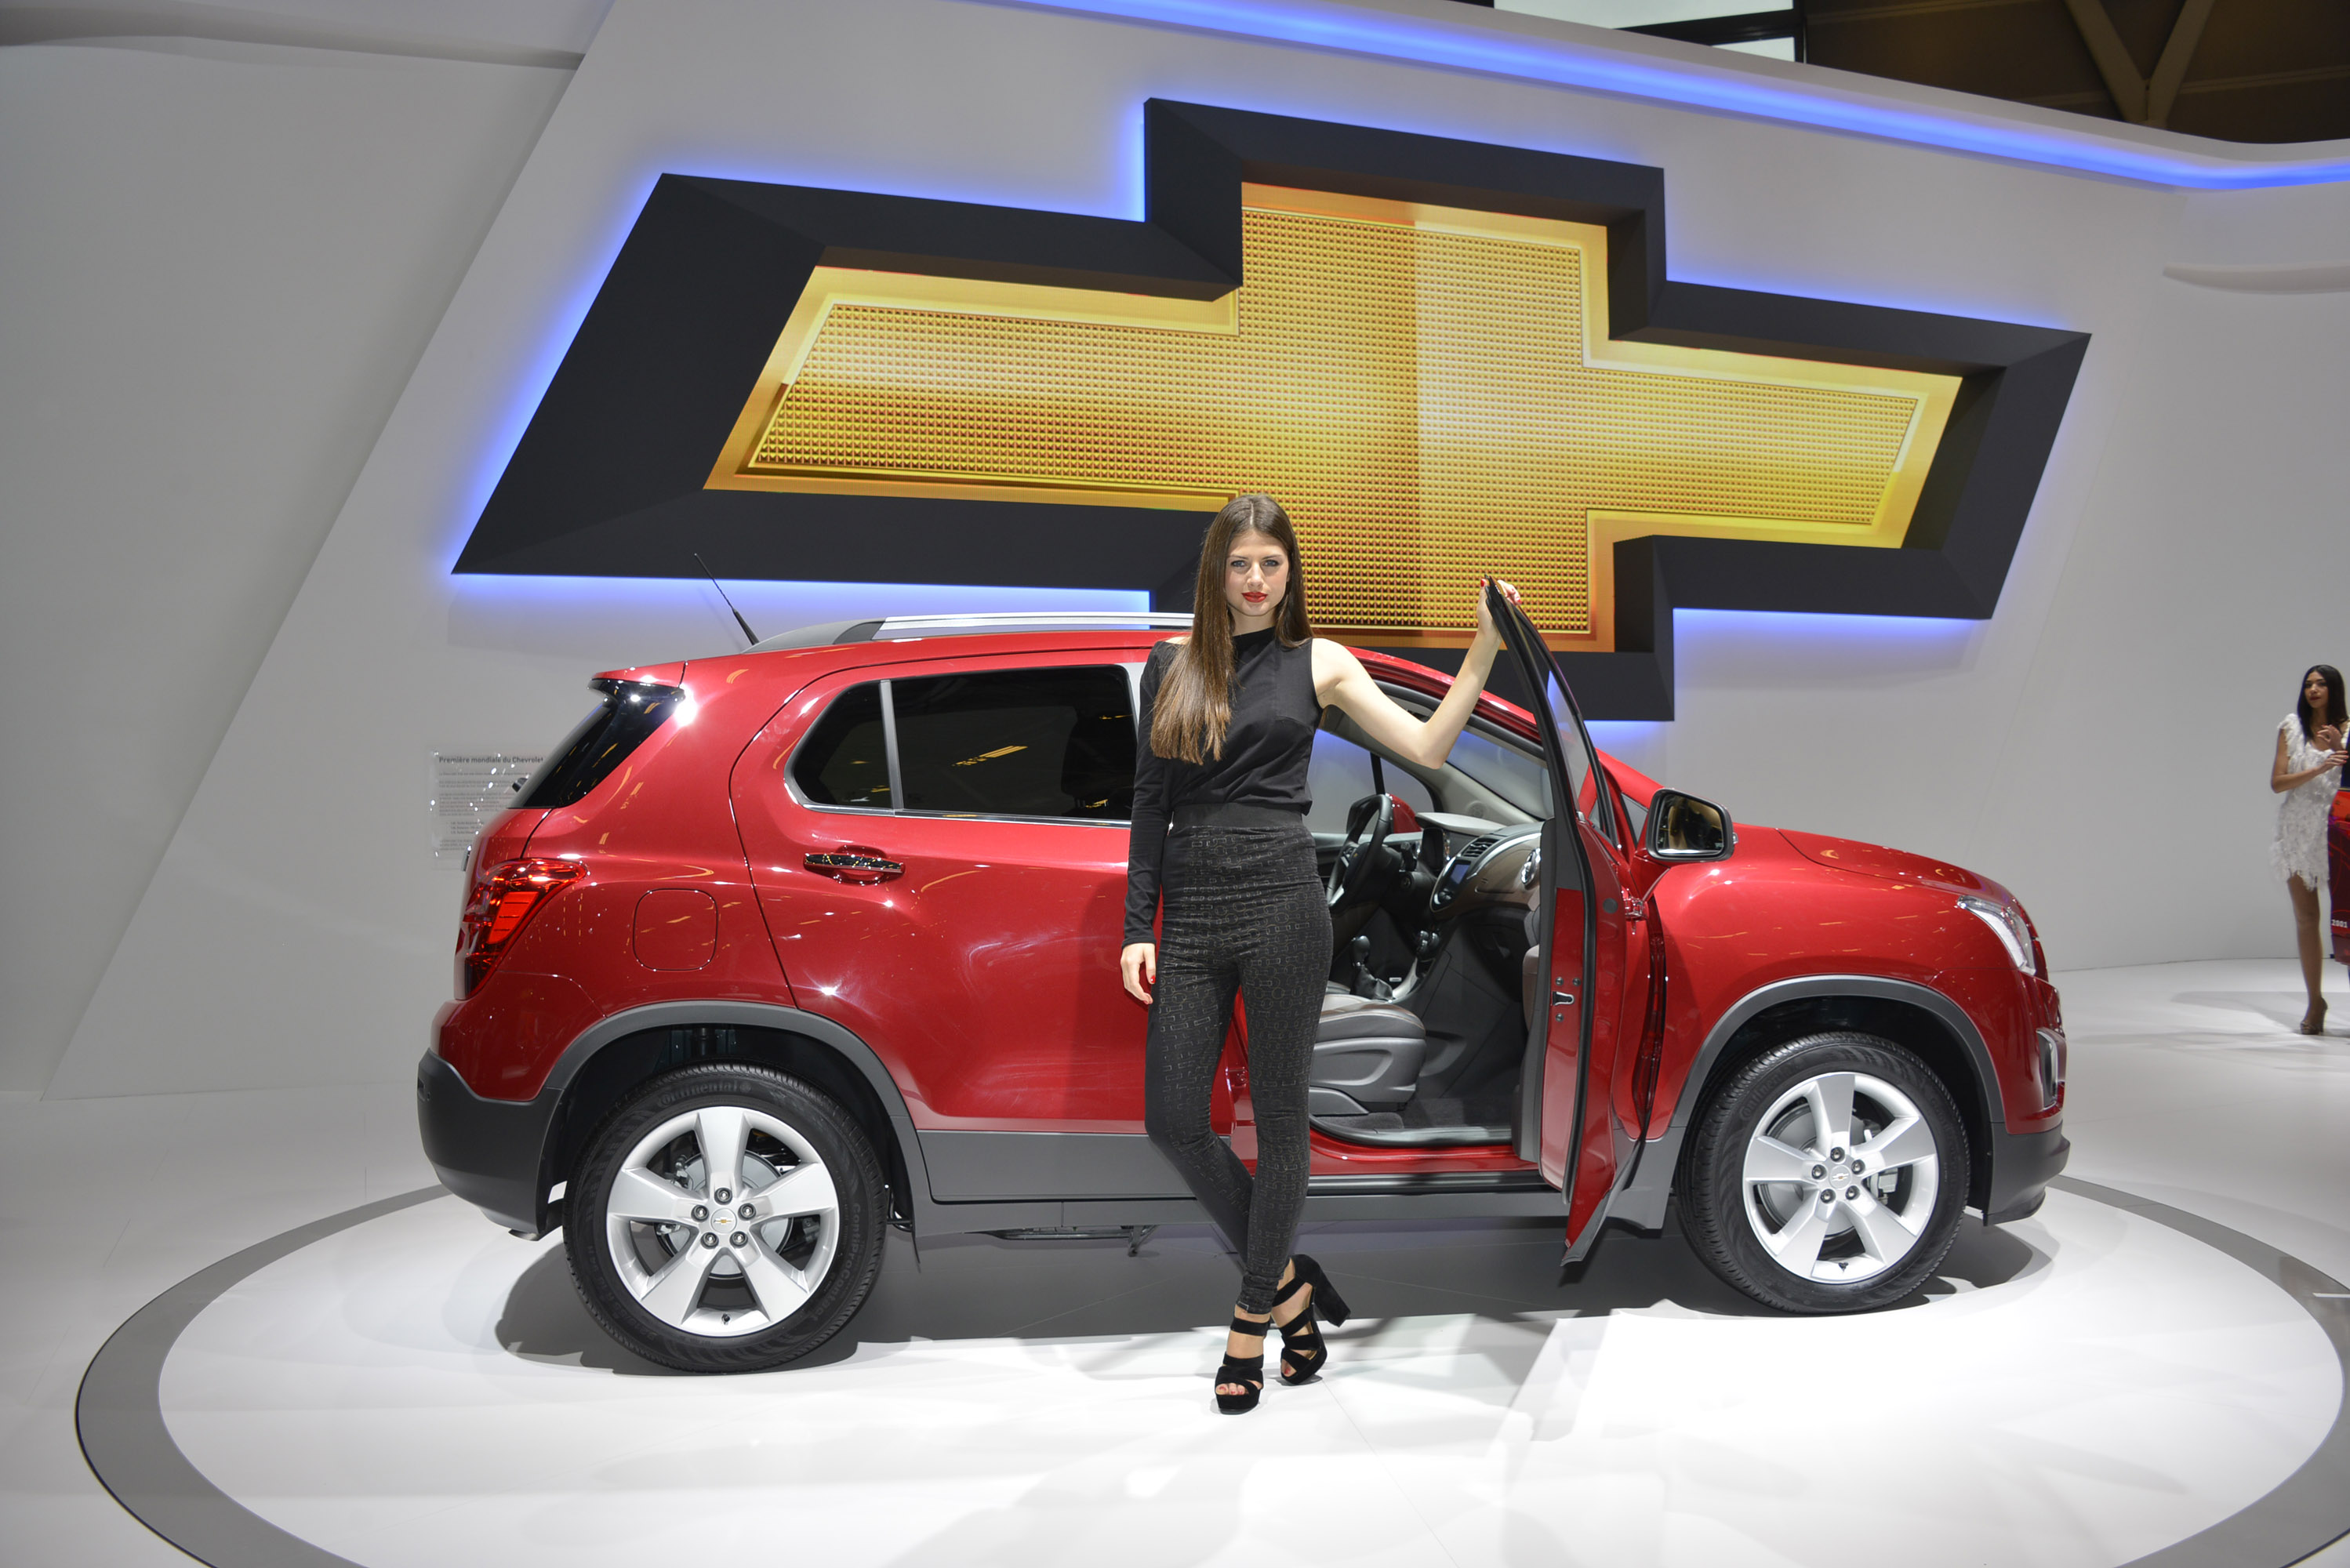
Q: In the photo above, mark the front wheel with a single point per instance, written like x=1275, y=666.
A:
x=1829, y=1176
x=725, y=1219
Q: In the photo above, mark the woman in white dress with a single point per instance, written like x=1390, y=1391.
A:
x=2307, y=771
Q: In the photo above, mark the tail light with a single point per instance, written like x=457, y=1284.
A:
x=504, y=898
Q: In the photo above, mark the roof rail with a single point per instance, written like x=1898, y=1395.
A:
x=966, y=625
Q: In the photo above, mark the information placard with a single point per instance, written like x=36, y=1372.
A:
x=469, y=788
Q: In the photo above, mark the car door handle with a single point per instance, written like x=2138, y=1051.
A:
x=853, y=863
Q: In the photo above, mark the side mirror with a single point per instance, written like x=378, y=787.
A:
x=1683, y=828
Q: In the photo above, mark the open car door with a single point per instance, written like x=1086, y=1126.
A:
x=1566, y=1104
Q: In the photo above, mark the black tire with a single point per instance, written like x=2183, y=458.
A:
x=1829, y=1240
x=797, y=1274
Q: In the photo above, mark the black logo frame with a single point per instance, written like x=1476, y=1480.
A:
x=608, y=479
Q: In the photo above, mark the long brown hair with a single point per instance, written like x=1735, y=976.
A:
x=2309, y=721
x=1194, y=705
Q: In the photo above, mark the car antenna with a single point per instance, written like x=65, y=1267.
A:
x=714, y=583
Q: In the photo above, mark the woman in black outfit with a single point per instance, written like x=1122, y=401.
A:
x=1228, y=720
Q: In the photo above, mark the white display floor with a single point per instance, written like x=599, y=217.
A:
x=2087, y=1386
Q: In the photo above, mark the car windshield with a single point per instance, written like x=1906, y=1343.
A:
x=1505, y=769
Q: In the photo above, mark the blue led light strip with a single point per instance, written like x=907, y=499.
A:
x=1475, y=44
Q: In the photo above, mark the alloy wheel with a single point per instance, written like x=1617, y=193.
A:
x=1841, y=1177
x=723, y=1221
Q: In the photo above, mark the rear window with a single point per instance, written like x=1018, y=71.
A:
x=997, y=742
x=600, y=742
x=1018, y=743
x=844, y=760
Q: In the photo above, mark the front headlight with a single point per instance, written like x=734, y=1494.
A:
x=2006, y=923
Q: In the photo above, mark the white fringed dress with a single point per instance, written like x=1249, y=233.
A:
x=2300, y=847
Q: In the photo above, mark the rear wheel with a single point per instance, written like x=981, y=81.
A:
x=1829, y=1176
x=726, y=1218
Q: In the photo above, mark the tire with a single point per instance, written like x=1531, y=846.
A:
x=1773, y=1202
x=685, y=1280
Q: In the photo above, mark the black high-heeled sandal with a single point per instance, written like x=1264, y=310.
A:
x=1247, y=1371
x=1301, y=1336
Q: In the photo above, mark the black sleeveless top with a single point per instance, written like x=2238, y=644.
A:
x=1267, y=748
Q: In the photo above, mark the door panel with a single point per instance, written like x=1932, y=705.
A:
x=1581, y=876
x=976, y=954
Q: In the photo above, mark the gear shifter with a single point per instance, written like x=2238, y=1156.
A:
x=1367, y=984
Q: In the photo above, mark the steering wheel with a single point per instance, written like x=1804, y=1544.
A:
x=1368, y=822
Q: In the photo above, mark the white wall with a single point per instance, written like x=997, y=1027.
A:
x=2098, y=745
x=218, y=264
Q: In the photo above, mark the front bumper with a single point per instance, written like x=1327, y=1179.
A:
x=491, y=1153
x=2021, y=1167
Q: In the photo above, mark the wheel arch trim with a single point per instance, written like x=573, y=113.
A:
x=1641, y=1201
x=660, y=1016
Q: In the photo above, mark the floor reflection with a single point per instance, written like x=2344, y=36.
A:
x=980, y=1287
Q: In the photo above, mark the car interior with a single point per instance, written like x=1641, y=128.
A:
x=1428, y=1015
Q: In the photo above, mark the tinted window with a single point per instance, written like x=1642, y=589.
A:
x=600, y=742
x=1635, y=820
x=844, y=760
x=1018, y=743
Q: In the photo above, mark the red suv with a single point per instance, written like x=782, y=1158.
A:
x=782, y=948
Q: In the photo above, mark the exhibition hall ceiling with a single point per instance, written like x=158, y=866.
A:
x=2248, y=70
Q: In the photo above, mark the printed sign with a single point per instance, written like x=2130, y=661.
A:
x=468, y=789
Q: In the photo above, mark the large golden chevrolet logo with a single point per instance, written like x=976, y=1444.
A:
x=1430, y=391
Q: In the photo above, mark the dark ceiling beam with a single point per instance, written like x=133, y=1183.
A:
x=2113, y=57
x=2162, y=88
x=1840, y=16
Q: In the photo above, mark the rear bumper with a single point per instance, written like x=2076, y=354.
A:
x=2021, y=1167
x=488, y=1152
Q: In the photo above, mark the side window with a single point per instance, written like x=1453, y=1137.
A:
x=1018, y=743
x=1340, y=775
x=844, y=760
x=1635, y=820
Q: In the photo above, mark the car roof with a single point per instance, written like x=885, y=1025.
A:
x=891, y=627
x=903, y=639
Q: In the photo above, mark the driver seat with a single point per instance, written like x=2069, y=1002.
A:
x=1367, y=1057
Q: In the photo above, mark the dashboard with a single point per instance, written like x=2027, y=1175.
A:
x=1477, y=864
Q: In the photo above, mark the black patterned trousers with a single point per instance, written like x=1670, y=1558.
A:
x=1243, y=913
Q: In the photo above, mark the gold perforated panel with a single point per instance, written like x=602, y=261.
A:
x=1428, y=392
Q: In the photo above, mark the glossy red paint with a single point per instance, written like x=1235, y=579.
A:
x=645, y=674
x=656, y=823
x=677, y=927
x=1899, y=865
x=2337, y=860
x=982, y=971
x=985, y=973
